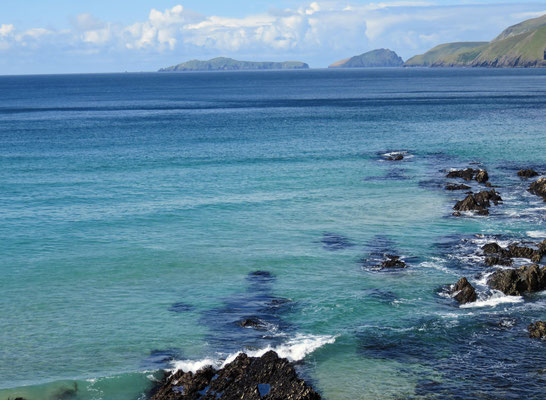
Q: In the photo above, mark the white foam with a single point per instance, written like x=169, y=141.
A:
x=536, y=234
x=294, y=349
x=493, y=301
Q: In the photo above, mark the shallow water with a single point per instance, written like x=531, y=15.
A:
x=135, y=209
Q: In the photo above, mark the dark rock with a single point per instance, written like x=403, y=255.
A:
x=537, y=330
x=252, y=322
x=488, y=184
x=482, y=176
x=466, y=174
x=392, y=262
x=539, y=188
x=529, y=278
x=397, y=157
x=527, y=173
x=463, y=291
x=494, y=260
x=246, y=378
x=457, y=187
x=492, y=248
x=479, y=202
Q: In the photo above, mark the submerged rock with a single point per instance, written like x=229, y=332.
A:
x=539, y=188
x=250, y=378
x=457, y=187
x=537, y=330
x=527, y=173
x=478, y=202
x=464, y=292
x=515, y=282
x=252, y=322
x=396, y=157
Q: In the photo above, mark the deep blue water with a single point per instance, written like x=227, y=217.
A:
x=144, y=217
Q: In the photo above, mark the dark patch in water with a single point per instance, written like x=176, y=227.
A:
x=333, y=242
x=256, y=304
x=161, y=358
x=263, y=388
x=384, y=296
x=180, y=307
x=382, y=249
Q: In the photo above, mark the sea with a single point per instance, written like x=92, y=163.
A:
x=153, y=221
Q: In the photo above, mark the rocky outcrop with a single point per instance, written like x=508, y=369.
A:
x=503, y=256
x=515, y=282
x=537, y=330
x=251, y=378
x=527, y=173
x=392, y=262
x=539, y=188
x=457, y=187
x=478, y=202
x=463, y=291
x=468, y=174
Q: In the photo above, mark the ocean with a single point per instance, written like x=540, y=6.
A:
x=144, y=217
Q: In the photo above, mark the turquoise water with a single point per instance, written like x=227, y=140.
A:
x=135, y=206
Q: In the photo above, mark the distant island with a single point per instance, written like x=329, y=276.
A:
x=522, y=45
x=229, y=64
x=375, y=58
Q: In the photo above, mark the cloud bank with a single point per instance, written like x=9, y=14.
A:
x=318, y=32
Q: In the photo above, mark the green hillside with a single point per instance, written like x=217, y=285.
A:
x=374, y=58
x=521, y=45
x=229, y=64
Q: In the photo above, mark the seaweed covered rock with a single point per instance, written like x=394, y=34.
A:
x=539, y=188
x=463, y=291
x=515, y=282
x=527, y=173
x=478, y=202
x=250, y=378
x=537, y=330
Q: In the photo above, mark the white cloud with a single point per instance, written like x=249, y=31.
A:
x=318, y=32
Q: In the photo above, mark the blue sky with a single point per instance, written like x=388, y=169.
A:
x=57, y=36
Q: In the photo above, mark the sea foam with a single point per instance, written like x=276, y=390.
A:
x=294, y=349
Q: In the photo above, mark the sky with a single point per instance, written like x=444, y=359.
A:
x=76, y=36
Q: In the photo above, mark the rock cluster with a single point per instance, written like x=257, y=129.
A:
x=515, y=282
x=251, y=378
x=537, y=330
x=497, y=255
x=392, y=262
x=478, y=202
x=463, y=291
x=452, y=187
x=468, y=174
x=539, y=188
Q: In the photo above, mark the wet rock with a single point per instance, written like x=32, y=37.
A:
x=488, y=184
x=515, y=282
x=466, y=174
x=457, y=187
x=392, y=262
x=252, y=322
x=479, y=202
x=527, y=173
x=396, y=157
x=495, y=260
x=463, y=291
x=492, y=248
x=537, y=330
x=539, y=188
x=249, y=378
x=482, y=176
